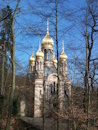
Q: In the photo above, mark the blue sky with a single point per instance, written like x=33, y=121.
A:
x=27, y=24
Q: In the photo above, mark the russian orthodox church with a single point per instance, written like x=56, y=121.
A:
x=43, y=74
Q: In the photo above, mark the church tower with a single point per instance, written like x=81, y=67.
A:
x=39, y=76
x=63, y=61
x=32, y=62
x=47, y=48
x=63, y=75
x=39, y=61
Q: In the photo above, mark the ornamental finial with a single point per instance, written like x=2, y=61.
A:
x=33, y=50
x=63, y=46
x=39, y=44
x=47, y=27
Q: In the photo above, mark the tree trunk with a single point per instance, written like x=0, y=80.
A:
x=44, y=105
x=2, y=86
x=13, y=70
x=58, y=83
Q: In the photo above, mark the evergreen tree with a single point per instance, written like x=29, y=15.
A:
x=6, y=34
x=5, y=43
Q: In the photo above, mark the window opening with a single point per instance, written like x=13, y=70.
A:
x=40, y=65
x=45, y=54
x=48, y=54
x=51, y=88
x=40, y=92
x=54, y=86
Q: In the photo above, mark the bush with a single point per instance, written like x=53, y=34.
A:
x=15, y=107
x=1, y=104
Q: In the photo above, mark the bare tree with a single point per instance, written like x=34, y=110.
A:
x=13, y=69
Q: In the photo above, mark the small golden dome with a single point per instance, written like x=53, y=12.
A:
x=32, y=58
x=47, y=40
x=54, y=60
x=39, y=53
x=63, y=56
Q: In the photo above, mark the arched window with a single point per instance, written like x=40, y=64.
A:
x=31, y=68
x=51, y=88
x=45, y=54
x=54, y=87
x=37, y=65
x=40, y=65
x=57, y=88
x=40, y=92
x=49, y=56
x=62, y=67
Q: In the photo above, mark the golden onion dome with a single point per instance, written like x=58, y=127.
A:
x=54, y=60
x=47, y=40
x=32, y=58
x=39, y=53
x=63, y=56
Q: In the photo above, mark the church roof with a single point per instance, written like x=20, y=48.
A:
x=32, y=58
x=63, y=56
x=39, y=53
x=47, y=40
